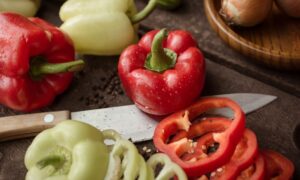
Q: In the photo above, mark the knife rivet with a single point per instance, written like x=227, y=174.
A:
x=48, y=118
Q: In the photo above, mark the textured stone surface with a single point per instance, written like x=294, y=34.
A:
x=98, y=86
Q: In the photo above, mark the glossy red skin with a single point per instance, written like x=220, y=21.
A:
x=170, y=91
x=277, y=166
x=181, y=120
x=21, y=39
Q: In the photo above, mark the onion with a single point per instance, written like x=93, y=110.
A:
x=290, y=7
x=245, y=12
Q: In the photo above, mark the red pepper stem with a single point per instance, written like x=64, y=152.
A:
x=160, y=59
x=41, y=67
x=144, y=13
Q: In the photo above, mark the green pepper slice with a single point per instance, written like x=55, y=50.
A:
x=169, y=169
x=124, y=160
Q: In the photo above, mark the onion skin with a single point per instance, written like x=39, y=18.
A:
x=245, y=12
x=290, y=7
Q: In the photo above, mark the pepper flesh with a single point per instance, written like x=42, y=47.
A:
x=161, y=81
x=29, y=45
x=126, y=167
x=23, y=7
x=254, y=172
x=181, y=121
x=99, y=27
x=243, y=156
x=102, y=27
x=169, y=169
x=126, y=163
x=70, y=150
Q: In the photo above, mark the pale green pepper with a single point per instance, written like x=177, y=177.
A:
x=24, y=7
x=169, y=170
x=70, y=151
x=102, y=27
x=126, y=163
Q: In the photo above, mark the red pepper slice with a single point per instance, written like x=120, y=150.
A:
x=277, y=166
x=182, y=120
x=244, y=156
x=255, y=171
x=202, y=132
x=164, y=73
x=206, y=125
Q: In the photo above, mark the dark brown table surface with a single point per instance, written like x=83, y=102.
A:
x=277, y=125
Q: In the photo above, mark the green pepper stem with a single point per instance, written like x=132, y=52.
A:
x=144, y=13
x=55, y=160
x=160, y=59
x=40, y=67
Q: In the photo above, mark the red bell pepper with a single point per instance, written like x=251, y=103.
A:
x=163, y=73
x=36, y=62
x=178, y=149
x=277, y=166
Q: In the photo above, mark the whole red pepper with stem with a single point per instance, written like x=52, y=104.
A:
x=36, y=62
x=164, y=72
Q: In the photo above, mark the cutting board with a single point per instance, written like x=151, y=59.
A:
x=274, y=43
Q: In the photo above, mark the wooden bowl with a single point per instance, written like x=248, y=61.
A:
x=275, y=42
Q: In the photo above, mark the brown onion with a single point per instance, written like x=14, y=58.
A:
x=290, y=7
x=245, y=12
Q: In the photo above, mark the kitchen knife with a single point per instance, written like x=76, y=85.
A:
x=127, y=120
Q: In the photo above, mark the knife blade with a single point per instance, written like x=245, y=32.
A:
x=128, y=120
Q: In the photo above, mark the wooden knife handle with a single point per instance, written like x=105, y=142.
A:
x=28, y=125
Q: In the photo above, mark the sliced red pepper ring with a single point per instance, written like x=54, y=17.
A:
x=182, y=120
x=277, y=166
x=254, y=172
x=206, y=125
x=202, y=131
x=243, y=157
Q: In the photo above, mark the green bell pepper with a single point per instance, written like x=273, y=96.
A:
x=23, y=7
x=102, y=27
x=169, y=169
x=125, y=162
x=70, y=151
